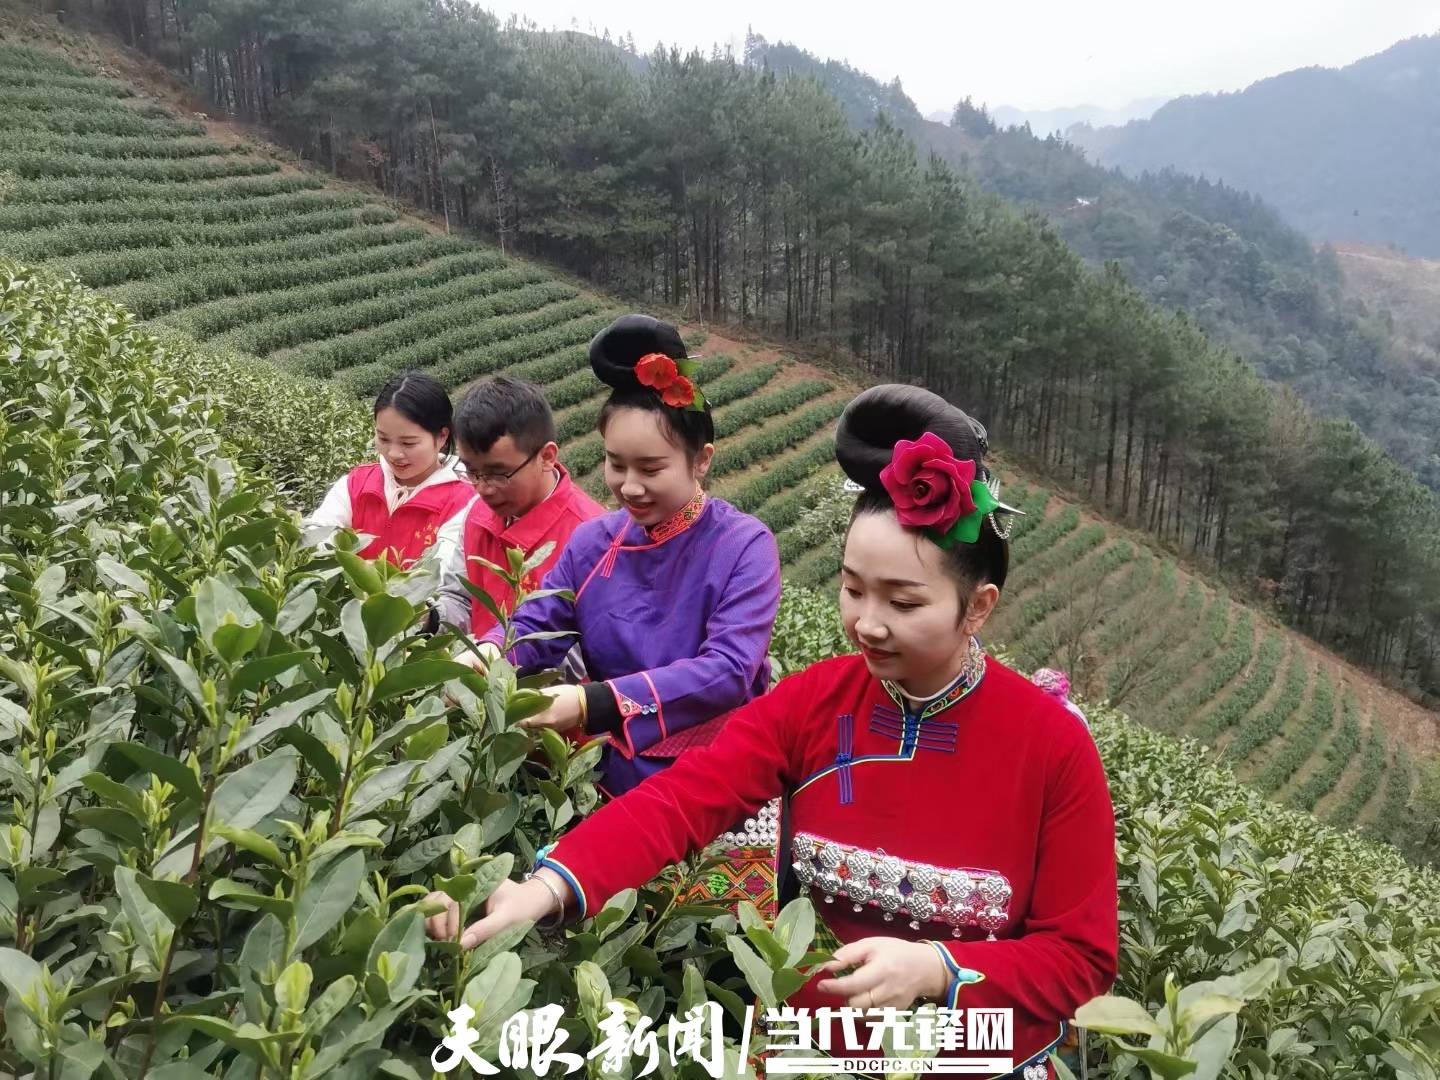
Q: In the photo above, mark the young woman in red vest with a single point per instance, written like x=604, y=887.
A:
x=411, y=498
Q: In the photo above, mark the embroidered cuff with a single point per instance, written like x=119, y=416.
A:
x=628, y=709
x=542, y=858
x=649, y=719
x=1037, y=1067
x=601, y=711
x=960, y=977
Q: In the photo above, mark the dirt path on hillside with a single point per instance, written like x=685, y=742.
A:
x=749, y=353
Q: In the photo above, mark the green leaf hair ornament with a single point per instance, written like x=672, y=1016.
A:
x=966, y=529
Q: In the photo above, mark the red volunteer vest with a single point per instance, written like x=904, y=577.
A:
x=487, y=536
x=403, y=536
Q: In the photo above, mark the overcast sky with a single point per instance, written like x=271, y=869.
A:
x=1032, y=54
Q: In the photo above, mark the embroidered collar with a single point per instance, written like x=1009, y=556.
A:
x=668, y=529
x=678, y=522
x=969, y=678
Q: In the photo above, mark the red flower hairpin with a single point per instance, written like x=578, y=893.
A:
x=934, y=490
x=656, y=370
x=671, y=379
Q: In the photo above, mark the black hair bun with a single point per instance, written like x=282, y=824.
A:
x=615, y=350
x=881, y=416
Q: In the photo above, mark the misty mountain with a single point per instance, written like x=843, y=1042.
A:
x=1248, y=278
x=1046, y=121
x=1348, y=154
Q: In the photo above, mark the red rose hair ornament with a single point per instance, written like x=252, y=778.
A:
x=928, y=456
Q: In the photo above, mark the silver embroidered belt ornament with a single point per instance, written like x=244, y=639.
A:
x=925, y=893
x=762, y=830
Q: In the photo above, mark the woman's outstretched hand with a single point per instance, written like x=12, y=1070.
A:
x=564, y=712
x=481, y=663
x=488, y=653
x=513, y=902
x=888, y=972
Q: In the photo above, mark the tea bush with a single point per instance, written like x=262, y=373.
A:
x=1260, y=728
x=1366, y=783
x=113, y=146
x=545, y=331
x=1041, y=535
x=101, y=188
x=230, y=775
x=218, y=316
x=763, y=406
x=178, y=211
x=1121, y=624
x=1302, y=741
x=301, y=433
x=769, y=443
x=1239, y=647
x=504, y=289
x=138, y=264
x=87, y=119
x=35, y=165
x=739, y=385
x=1214, y=880
x=1335, y=758
x=71, y=240
x=229, y=284
x=1247, y=693
x=1182, y=661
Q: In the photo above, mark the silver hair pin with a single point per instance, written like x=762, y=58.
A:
x=1003, y=531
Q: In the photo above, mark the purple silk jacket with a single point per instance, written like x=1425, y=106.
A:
x=676, y=622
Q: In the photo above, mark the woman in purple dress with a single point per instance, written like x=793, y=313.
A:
x=675, y=593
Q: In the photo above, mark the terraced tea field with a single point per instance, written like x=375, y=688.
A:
x=245, y=253
x=1133, y=627
x=233, y=245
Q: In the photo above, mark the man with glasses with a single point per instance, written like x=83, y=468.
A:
x=505, y=439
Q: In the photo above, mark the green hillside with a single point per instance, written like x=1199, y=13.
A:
x=1204, y=240
x=1187, y=659
x=715, y=187
x=231, y=245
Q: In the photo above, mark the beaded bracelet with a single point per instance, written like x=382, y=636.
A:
x=559, y=903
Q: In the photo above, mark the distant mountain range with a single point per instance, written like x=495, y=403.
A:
x=1248, y=278
x=1348, y=155
x=1046, y=121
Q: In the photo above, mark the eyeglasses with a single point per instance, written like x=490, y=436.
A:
x=492, y=480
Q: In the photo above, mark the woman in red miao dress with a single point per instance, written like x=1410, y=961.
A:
x=950, y=818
